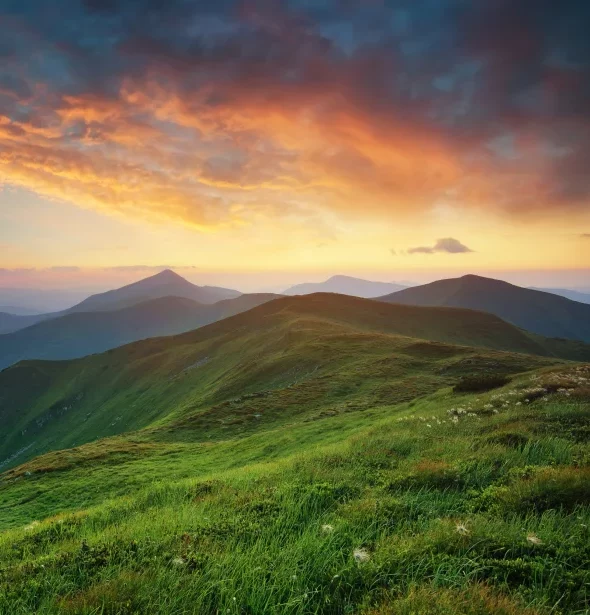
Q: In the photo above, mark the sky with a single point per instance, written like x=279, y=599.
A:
x=260, y=143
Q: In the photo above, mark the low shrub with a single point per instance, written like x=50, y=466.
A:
x=477, y=383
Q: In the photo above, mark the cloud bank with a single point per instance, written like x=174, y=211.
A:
x=213, y=113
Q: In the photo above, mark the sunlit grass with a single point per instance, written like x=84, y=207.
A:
x=394, y=510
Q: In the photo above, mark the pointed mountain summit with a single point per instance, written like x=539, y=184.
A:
x=540, y=312
x=345, y=285
x=77, y=334
x=167, y=283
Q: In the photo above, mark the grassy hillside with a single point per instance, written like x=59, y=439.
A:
x=304, y=457
x=449, y=503
x=543, y=313
x=287, y=354
x=82, y=333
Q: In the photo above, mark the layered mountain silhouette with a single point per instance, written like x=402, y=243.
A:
x=540, y=312
x=39, y=300
x=18, y=310
x=13, y=322
x=82, y=333
x=574, y=295
x=345, y=285
x=293, y=349
x=163, y=284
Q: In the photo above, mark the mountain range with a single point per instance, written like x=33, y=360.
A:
x=320, y=441
x=81, y=333
x=539, y=312
x=163, y=284
x=283, y=342
x=345, y=285
x=167, y=304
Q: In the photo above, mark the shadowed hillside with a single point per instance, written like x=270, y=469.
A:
x=298, y=352
x=163, y=284
x=574, y=295
x=540, y=312
x=295, y=460
x=82, y=333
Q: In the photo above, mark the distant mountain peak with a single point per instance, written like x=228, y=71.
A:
x=540, y=312
x=167, y=275
x=345, y=285
x=340, y=277
x=472, y=277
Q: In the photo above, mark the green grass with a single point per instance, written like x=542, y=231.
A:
x=324, y=353
x=462, y=504
x=314, y=463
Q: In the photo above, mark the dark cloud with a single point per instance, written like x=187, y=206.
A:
x=494, y=93
x=447, y=244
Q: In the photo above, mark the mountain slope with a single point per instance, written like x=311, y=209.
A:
x=40, y=300
x=296, y=353
x=540, y=312
x=298, y=446
x=345, y=285
x=574, y=295
x=163, y=284
x=392, y=508
x=81, y=333
x=17, y=310
x=13, y=322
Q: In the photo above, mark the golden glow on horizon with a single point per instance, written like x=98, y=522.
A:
x=324, y=187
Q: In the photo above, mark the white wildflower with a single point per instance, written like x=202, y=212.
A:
x=534, y=539
x=361, y=555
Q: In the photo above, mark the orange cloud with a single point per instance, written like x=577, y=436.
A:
x=217, y=137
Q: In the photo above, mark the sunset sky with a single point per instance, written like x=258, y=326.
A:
x=248, y=142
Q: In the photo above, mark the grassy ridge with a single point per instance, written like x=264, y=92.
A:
x=455, y=503
x=290, y=356
x=305, y=457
